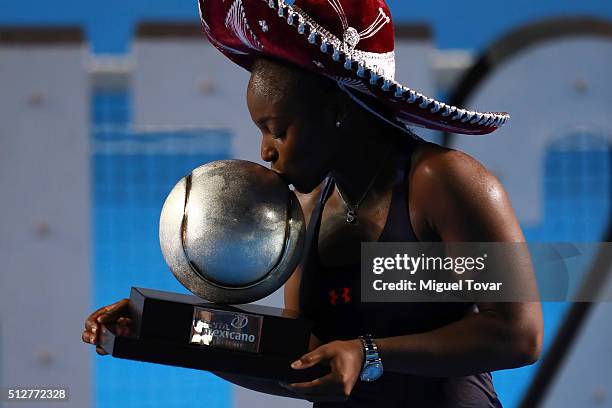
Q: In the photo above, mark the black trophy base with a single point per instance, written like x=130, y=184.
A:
x=251, y=340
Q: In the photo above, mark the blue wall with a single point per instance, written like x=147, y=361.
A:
x=474, y=24
x=129, y=186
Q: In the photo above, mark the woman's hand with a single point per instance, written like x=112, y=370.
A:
x=345, y=359
x=115, y=314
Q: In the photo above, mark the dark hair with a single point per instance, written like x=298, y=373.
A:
x=278, y=76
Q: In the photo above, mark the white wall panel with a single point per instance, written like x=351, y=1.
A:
x=44, y=218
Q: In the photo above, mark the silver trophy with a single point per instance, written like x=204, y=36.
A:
x=232, y=232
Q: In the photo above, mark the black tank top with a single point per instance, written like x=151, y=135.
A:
x=330, y=298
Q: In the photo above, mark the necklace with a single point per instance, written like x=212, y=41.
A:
x=351, y=215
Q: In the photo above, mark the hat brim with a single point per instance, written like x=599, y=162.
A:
x=272, y=28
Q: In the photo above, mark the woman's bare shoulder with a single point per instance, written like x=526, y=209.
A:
x=457, y=197
x=433, y=164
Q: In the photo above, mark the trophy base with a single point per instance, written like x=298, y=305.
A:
x=185, y=331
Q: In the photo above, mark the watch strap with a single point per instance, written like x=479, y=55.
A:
x=370, y=353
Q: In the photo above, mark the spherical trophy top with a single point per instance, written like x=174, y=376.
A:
x=232, y=231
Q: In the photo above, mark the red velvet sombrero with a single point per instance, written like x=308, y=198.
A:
x=349, y=41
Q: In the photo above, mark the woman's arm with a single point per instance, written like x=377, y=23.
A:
x=460, y=201
x=453, y=199
x=486, y=341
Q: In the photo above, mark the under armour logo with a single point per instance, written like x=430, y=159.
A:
x=345, y=296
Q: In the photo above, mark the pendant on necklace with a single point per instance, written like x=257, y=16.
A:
x=351, y=217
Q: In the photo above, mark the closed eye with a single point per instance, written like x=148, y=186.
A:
x=272, y=126
x=277, y=134
x=275, y=129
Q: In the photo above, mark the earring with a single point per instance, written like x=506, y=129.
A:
x=338, y=124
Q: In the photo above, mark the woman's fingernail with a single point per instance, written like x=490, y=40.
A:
x=94, y=329
x=296, y=364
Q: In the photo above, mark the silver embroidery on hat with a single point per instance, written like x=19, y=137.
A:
x=351, y=36
x=217, y=43
x=236, y=22
x=379, y=66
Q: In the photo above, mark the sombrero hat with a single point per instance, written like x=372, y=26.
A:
x=348, y=41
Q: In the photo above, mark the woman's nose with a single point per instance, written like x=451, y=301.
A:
x=268, y=152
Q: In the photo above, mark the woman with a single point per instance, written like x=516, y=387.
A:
x=362, y=176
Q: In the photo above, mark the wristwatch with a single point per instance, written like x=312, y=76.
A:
x=372, y=364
